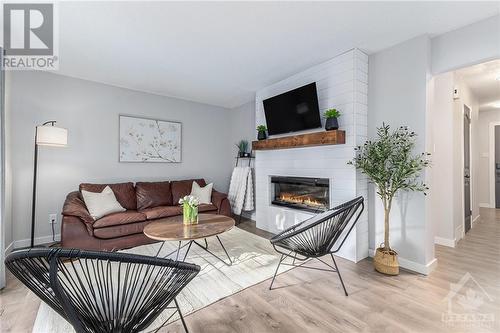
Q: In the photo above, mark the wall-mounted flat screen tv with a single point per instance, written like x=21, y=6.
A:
x=295, y=110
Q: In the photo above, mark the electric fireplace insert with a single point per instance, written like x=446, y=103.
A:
x=310, y=194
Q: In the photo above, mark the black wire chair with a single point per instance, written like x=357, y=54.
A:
x=103, y=291
x=317, y=237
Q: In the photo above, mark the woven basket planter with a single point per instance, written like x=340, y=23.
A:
x=386, y=262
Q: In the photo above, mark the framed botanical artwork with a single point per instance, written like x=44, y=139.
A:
x=149, y=140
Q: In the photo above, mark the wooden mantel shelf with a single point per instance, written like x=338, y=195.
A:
x=303, y=140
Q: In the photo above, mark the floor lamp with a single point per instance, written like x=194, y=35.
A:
x=46, y=134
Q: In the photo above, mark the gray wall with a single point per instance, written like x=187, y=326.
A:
x=472, y=44
x=242, y=128
x=397, y=93
x=90, y=112
x=242, y=125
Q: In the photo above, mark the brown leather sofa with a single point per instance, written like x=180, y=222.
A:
x=144, y=202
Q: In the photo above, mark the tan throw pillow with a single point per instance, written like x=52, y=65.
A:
x=101, y=204
x=204, y=194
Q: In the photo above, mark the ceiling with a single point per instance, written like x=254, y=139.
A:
x=220, y=53
x=484, y=81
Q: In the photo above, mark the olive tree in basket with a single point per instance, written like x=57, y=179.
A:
x=391, y=165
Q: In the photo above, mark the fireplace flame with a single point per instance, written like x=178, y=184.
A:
x=301, y=199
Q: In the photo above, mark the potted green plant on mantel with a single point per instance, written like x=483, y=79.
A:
x=261, y=132
x=242, y=148
x=391, y=165
x=331, y=116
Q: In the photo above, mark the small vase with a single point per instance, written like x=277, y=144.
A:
x=242, y=154
x=331, y=124
x=189, y=214
x=261, y=135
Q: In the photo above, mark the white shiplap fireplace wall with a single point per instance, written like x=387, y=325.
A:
x=342, y=83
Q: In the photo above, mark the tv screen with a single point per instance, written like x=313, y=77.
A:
x=292, y=111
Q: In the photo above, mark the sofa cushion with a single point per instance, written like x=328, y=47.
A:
x=153, y=194
x=124, y=192
x=101, y=204
x=129, y=216
x=181, y=188
x=204, y=194
x=162, y=211
x=120, y=230
x=206, y=208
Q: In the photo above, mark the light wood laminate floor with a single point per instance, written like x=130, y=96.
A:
x=313, y=301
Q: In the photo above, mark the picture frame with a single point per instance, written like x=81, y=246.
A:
x=149, y=140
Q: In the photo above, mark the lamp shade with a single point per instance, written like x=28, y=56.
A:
x=51, y=136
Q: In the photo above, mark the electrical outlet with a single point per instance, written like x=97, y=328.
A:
x=52, y=218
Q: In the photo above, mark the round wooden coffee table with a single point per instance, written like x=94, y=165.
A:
x=173, y=229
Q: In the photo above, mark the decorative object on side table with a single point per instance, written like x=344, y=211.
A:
x=189, y=209
x=46, y=134
x=242, y=148
x=331, y=116
x=261, y=132
x=391, y=166
x=149, y=140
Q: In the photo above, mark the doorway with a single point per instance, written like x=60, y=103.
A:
x=464, y=104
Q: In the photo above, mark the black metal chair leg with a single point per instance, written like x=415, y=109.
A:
x=276, y=272
x=340, y=277
x=178, y=250
x=180, y=315
x=161, y=247
x=187, y=251
x=222, y=245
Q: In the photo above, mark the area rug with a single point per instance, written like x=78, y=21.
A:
x=254, y=260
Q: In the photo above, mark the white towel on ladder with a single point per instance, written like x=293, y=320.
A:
x=241, y=190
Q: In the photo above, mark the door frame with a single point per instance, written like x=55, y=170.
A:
x=471, y=169
x=491, y=161
x=2, y=174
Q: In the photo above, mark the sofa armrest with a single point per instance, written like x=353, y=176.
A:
x=221, y=201
x=74, y=206
x=75, y=232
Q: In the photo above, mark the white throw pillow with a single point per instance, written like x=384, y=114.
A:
x=204, y=194
x=101, y=204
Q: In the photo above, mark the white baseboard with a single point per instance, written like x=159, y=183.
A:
x=484, y=205
x=411, y=265
x=459, y=233
x=445, y=241
x=475, y=220
x=38, y=240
